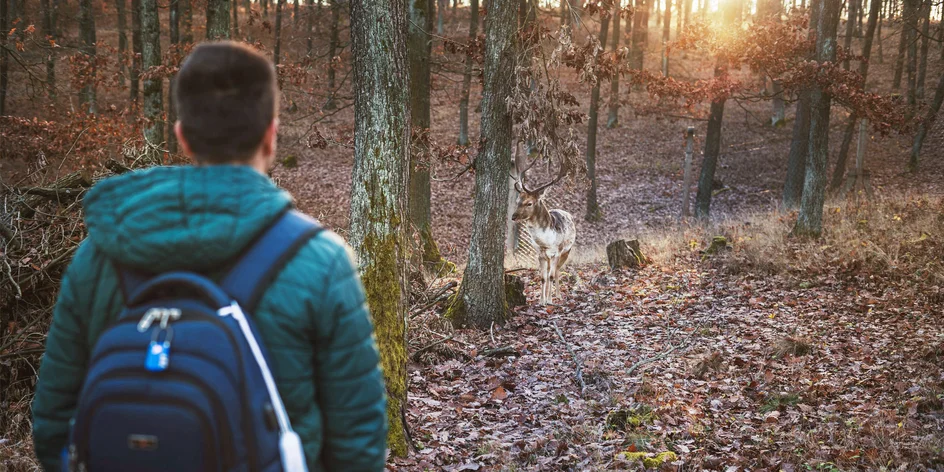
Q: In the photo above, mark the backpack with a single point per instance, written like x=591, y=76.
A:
x=180, y=381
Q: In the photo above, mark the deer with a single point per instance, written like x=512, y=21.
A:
x=552, y=230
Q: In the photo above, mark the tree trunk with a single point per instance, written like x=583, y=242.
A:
x=688, y=14
x=593, y=207
x=878, y=34
x=481, y=296
x=153, y=88
x=122, y=39
x=913, y=7
x=613, y=120
x=640, y=30
x=277, y=54
x=850, y=31
x=49, y=30
x=135, y=49
x=810, y=220
x=419, y=48
x=840, y=170
x=87, y=33
x=235, y=7
x=467, y=77
x=217, y=18
x=564, y=13
x=902, y=45
x=4, y=65
x=440, y=12
x=926, y=124
x=332, y=51
x=310, y=18
x=923, y=57
x=186, y=12
x=379, y=188
x=800, y=145
x=666, y=35
x=295, y=13
x=174, y=30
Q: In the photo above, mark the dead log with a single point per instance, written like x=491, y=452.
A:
x=622, y=253
x=66, y=188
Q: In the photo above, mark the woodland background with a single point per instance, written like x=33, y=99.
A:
x=783, y=325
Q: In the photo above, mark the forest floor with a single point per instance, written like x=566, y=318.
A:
x=774, y=354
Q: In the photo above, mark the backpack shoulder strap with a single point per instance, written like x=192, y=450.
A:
x=262, y=261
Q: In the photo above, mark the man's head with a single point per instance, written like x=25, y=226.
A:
x=227, y=105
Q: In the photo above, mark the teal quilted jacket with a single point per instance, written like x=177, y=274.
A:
x=313, y=318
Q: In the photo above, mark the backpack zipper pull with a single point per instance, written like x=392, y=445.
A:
x=147, y=319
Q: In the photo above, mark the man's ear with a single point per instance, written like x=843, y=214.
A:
x=184, y=145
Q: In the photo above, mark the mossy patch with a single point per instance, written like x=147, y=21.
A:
x=290, y=161
x=775, y=402
x=630, y=418
x=648, y=459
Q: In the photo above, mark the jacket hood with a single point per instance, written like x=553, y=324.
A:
x=186, y=218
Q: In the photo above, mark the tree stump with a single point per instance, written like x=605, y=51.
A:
x=624, y=253
x=514, y=291
x=718, y=243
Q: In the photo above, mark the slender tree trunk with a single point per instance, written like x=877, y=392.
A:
x=49, y=30
x=923, y=56
x=174, y=30
x=640, y=30
x=666, y=35
x=153, y=88
x=440, y=12
x=564, y=13
x=122, y=39
x=186, y=12
x=613, y=120
x=688, y=14
x=480, y=300
x=87, y=33
x=235, y=7
x=850, y=31
x=295, y=13
x=878, y=34
x=379, y=190
x=800, y=145
x=902, y=44
x=657, y=7
x=419, y=49
x=467, y=77
x=913, y=7
x=135, y=49
x=810, y=220
x=310, y=18
x=4, y=65
x=217, y=18
x=265, y=8
x=277, y=54
x=771, y=12
x=332, y=51
x=593, y=206
x=840, y=170
x=926, y=124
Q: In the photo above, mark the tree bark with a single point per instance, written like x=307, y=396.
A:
x=217, y=19
x=612, y=120
x=923, y=56
x=153, y=87
x=419, y=49
x=688, y=14
x=481, y=296
x=4, y=65
x=810, y=220
x=902, y=43
x=926, y=124
x=332, y=50
x=840, y=171
x=277, y=54
x=186, y=12
x=850, y=31
x=379, y=188
x=310, y=18
x=666, y=35
x=87, y=33
x=913, y=7
x=593, y=207
x=295, y=13
x=50, y=31
x=878, y=33
x=135, y=76
x=800, y=145
x=174, y=30
x=467, y=76
x=235, y=7
x=440, y=12
x=122, y=39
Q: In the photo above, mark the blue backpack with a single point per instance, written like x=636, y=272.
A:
x=181, y=382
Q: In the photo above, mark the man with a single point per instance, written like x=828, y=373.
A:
x=313, y=317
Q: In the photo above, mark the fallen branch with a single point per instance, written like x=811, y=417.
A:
x=503, y=351
x=116, y=167
x=416, y=354
x=583, y=386
x=54, y=194
x=440, y=296
x=652, y=359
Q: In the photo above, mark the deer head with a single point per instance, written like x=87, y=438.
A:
x=529, y=201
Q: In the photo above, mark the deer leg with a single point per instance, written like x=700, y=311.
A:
x=558, y=266
x=552, y=268
x=545, y=268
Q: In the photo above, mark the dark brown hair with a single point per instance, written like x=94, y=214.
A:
x=226, y=97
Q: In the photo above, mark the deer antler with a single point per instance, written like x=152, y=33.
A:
x=521, y=175
x=560, y=175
